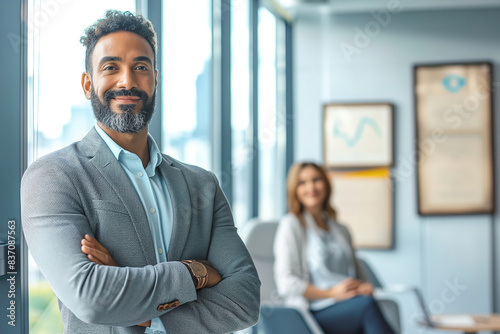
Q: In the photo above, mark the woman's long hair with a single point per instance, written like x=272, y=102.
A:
x=294, y=205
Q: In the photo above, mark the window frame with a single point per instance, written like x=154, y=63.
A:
x=14, y=136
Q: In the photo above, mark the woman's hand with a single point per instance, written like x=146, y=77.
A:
x=365, y=288
x=97, y=253
x=346, y=289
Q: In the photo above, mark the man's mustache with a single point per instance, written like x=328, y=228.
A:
x=110, y=94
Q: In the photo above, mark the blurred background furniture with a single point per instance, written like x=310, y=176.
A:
x=275, y=318
x=486, y=322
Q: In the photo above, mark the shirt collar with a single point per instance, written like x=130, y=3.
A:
x=114, y=147
x=155, y=157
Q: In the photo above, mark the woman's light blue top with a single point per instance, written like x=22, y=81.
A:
x=328, y=258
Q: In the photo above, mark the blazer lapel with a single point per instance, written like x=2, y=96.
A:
x=181, y=205
x=105, y=162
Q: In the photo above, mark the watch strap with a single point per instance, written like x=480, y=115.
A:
x=202, y=280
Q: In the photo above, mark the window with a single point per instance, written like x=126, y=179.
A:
x=242, y=152
x=187, y=81
x=59, y=113
x=272, y=116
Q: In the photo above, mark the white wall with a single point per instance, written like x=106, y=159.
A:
x=430, y=252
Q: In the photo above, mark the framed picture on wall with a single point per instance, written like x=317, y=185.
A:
x=371, y=190
x=454, y=127
x=357, y=135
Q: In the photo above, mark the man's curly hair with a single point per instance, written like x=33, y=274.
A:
x=114, y=21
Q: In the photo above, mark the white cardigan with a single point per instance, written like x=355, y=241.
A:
x=291, y=273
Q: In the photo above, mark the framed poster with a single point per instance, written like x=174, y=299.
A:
x=364, y=203
x=453, y=111
x=357, y=135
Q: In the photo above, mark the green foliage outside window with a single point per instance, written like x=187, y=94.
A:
x=44, y=312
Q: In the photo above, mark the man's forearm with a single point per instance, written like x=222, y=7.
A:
x=231, y=305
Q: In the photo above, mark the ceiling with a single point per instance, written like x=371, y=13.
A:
x=297, y=7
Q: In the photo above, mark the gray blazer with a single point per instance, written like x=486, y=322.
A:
x=83, y=189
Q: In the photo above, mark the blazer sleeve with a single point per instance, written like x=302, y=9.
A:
x=54, y=223
x=233, y=304
x=290, y=276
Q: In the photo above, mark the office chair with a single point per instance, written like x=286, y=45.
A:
x=275, y=318
x=389, y=307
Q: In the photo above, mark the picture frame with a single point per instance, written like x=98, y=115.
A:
x=357, y=135
x=454, y=138
x=372, y=190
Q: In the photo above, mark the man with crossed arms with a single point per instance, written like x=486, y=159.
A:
x=132, y=240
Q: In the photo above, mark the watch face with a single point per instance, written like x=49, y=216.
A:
x=199, y=269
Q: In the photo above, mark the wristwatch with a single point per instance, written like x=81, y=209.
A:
x=198, y=272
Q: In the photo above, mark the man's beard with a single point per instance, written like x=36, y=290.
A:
x=127, y=121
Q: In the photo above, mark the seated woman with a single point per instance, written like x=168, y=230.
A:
x=315, y=264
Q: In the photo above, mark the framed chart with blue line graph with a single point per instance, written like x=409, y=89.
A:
x=454, y=146
x=357, y=135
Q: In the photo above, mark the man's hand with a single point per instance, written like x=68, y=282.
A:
x=97, y=253
x=213, y=275
x=346, y=289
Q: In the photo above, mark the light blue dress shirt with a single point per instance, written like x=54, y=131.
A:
x=155, y=198
x=328, y=260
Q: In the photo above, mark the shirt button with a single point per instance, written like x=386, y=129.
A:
x=139, y=174
x=152, y=210
x=160, y=251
